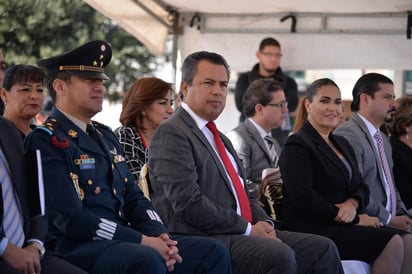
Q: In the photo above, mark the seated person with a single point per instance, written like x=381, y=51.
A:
x=401, y=140
x=23, y=95
x=324, y=192
x=264, y=106
x=23, y=230
x=147, y=104
x=199, y=183
x=99, y=216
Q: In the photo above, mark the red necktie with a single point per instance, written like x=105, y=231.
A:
x=386, y=171
x=240, y=190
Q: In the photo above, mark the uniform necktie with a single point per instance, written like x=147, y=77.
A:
x=12, y=218
x=240, y=190
x=386, y=171
x=91, y=131
x=269, y=140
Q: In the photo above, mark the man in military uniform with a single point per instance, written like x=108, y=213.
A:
x=100, y=218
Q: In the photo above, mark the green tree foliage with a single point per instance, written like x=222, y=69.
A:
x=35, y=29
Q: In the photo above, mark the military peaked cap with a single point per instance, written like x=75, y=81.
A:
x=87, y=61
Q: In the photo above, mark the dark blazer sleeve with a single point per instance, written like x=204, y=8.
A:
x=35, y=227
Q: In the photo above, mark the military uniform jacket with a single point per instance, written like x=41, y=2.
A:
x=92, y=198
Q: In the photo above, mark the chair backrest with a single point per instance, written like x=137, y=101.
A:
x=270, y=191
x=144, y=182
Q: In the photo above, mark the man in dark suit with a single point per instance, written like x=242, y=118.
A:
x=22, y=254
x=199, y=188
x=265, y=106
x=99, y=216
x=374, y=104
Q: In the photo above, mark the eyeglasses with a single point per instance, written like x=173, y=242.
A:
x=281, y=105
x=271, y=55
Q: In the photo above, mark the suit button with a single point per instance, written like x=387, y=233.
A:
x=120, y=213
x=89, y=182
x=114, y=191
x=125, y=180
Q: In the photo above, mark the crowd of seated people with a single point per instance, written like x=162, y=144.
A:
x=94, y=204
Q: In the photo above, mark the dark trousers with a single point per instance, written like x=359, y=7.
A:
x=295, y=253
x=50, y=264
x=200, y=255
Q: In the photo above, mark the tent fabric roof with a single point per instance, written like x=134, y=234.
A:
x=265, y=6
x=329, y=34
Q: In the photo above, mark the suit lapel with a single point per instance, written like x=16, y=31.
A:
x=326, y=150
x=254, y=134
x=364, y=129
x=201, y=137
x=77, y=135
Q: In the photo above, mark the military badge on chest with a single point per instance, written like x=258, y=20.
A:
x=84, y=162
x=117, y=158
x=75, y=180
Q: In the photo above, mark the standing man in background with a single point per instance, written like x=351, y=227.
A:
x=269, y=55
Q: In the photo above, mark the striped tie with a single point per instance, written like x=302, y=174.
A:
x=269, y=140
x=12, y=218
x=386, y=171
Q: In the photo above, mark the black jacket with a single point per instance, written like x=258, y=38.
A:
x=288, y=83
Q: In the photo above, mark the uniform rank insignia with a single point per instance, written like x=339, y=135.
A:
x=85, y=162
x=72, y=133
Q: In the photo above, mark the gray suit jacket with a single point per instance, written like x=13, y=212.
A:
x=356, y=132
x=190, y=188
x=252, y=150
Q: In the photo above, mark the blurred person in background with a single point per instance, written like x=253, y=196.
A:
x=22, y=94
x=400, y=130
x=147, y=104
x=44, y=113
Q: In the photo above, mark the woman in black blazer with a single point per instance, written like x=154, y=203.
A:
x=323, y=190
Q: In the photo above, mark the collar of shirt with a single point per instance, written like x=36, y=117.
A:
x=75, y=121
x=261, y=131
x=371, y=128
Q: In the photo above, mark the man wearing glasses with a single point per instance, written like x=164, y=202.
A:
x=2, y=69
x=269, y=55
x=265, y=108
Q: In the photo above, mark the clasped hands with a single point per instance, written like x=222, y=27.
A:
x=347, y=213
x=166, y=247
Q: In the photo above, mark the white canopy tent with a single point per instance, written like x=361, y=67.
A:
x=333, y=34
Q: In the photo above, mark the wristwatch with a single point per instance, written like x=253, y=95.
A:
x=39, y=247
